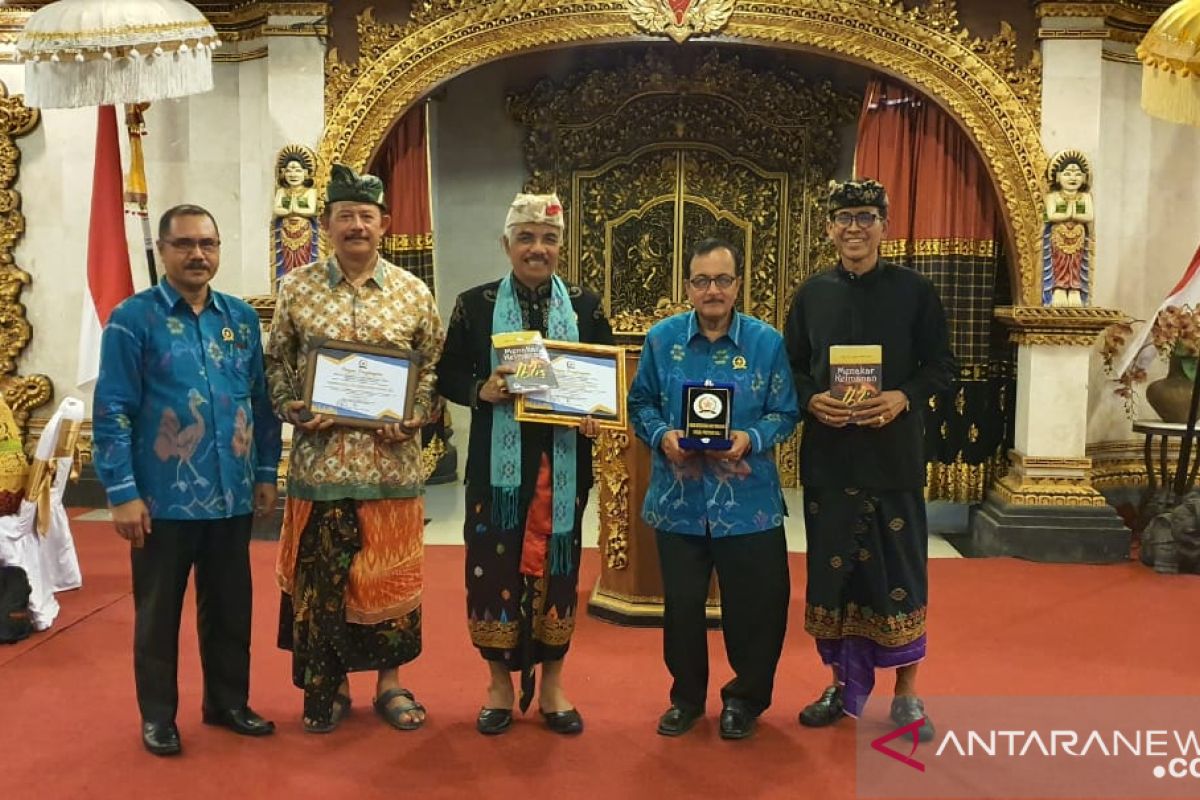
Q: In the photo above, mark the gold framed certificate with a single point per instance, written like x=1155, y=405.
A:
x=360, y=384
x=591, y=383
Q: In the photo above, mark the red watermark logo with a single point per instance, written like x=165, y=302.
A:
x=913, y=728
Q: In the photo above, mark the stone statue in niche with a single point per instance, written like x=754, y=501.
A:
x=294, y=228
x=1067, y=236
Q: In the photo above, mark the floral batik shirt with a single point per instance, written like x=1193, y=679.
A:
x=393, y=308
x=726, y=498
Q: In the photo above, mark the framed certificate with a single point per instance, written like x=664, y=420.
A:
x=591, y=382
x=360, y=384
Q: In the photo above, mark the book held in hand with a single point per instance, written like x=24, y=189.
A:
x=855, y=372
x=525, y=351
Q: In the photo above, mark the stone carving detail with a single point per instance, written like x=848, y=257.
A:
x=680, y=19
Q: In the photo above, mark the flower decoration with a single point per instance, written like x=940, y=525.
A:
x=1174, y=333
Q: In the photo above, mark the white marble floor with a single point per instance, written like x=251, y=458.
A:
x=444, y=507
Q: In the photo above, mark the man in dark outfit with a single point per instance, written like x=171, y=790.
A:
x=526, y=483
x=187, y=448
x=863, y=466
x=718, y=509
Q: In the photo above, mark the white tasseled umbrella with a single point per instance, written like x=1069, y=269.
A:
x=93, y=52
x=1170, y=56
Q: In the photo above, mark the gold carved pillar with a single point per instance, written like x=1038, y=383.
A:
x=1045, y=508
x=23, y=393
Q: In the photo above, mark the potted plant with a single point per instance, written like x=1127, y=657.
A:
x=1174, y=336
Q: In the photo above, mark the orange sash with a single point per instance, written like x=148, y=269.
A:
x=385, y=576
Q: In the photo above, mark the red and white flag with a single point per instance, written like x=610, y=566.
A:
x=1141, y=350
x=109, y=279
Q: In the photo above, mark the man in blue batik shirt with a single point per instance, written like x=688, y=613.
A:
x=187, y=447
x=717, y=508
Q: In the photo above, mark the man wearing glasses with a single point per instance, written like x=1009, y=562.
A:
x=717, y=509
x=863, y=465
x=187, y=447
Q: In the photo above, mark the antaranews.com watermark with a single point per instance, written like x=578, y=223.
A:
x=1026, y=747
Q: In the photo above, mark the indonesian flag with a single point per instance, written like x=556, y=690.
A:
x=109, y=280
x=1141, y=350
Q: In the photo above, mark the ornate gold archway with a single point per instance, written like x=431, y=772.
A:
x=977, y=81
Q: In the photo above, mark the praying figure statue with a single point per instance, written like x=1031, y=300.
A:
x=1067, y=236
x=294, y=229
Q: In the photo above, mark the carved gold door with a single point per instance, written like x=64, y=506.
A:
x=638, y=217
x=652, y=155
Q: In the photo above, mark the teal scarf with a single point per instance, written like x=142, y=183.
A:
x=506, y=431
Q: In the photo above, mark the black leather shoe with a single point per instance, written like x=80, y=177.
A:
x=678, y=721
x=161, y=738
x=239, y=720
x=825, y=710
x=567, y=722
x=908, y=709
x=736, y=722
x=492, y=721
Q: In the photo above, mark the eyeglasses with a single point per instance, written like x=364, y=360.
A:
x=187, y=245
x=702, y=282
x=865, y=219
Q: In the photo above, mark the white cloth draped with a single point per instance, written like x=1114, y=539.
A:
x=49, y=560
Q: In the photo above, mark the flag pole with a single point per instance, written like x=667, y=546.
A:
x=136, y=193
x=108, y=274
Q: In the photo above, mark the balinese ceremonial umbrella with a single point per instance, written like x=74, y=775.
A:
x=105, y=52
x=109, y=52
x=1170, y=56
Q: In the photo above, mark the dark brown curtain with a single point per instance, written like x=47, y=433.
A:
x=403, y=163
x=945, y=223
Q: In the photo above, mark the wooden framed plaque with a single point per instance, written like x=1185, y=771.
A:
x=591, y=383
x=361, y=384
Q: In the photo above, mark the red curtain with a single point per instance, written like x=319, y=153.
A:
x=944, y=222
x=403, y=163
x=938, y=186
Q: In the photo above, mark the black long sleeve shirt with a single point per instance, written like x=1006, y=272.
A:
x=892, y=306
x=466, y=363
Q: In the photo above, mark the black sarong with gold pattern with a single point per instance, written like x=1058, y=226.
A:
x=868, y=581
x=497, y=589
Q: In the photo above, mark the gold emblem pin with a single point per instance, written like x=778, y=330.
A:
x=227, y=334
x=739, y=362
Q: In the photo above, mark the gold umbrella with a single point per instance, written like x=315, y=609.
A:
x=87, y=52
x=1170, y=56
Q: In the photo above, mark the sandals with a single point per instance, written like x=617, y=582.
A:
x=394, y=715
x=341, y=707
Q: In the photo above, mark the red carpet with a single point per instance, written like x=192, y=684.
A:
x=69, y=722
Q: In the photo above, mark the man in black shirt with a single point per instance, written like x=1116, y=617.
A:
x=526, y=483
x=863, y=465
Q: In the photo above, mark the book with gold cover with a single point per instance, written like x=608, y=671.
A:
x=855, y=372
x=525, y=351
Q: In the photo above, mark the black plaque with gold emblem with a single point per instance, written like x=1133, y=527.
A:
x=707, y=416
